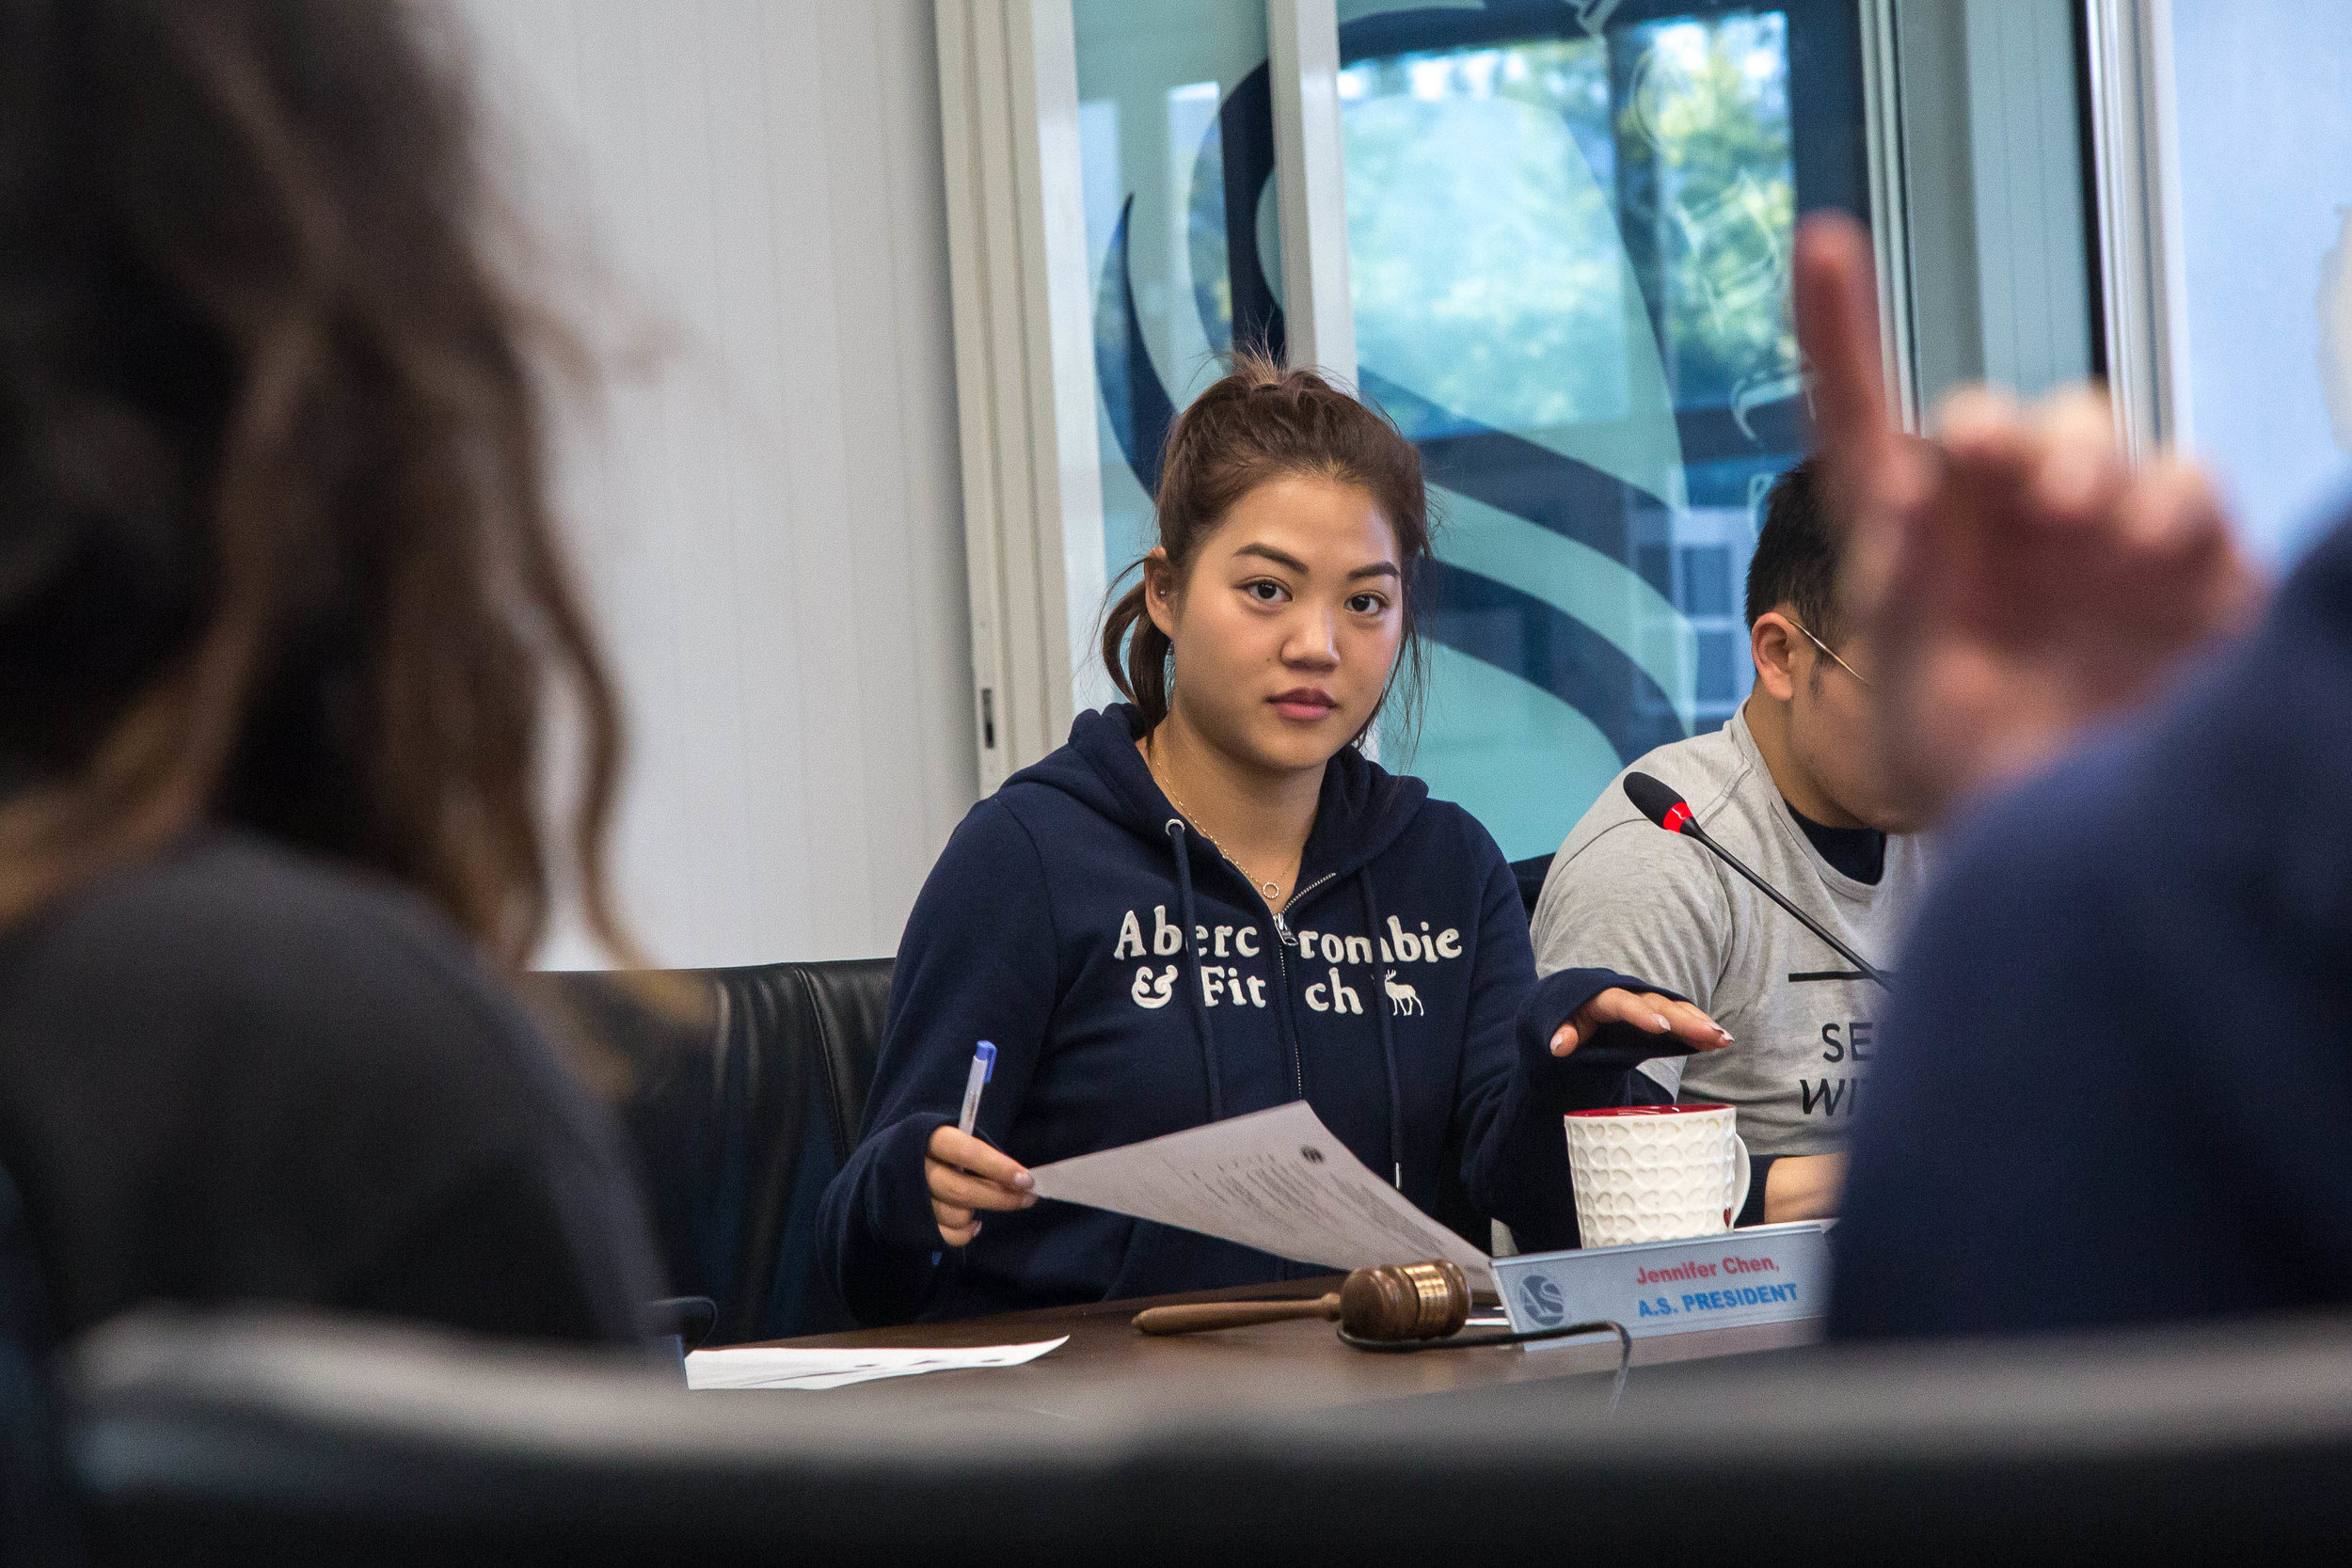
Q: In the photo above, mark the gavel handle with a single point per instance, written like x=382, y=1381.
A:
x=1202, y=1316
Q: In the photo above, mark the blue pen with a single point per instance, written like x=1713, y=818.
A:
x=983, y=1068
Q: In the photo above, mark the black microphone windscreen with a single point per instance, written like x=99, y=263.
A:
x=1655, y=799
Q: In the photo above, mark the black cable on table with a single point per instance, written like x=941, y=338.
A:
x=1624, y=1345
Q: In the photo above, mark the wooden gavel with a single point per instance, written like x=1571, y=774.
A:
x=1392, y=1302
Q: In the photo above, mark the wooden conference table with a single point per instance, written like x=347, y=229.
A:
x=1108, y=1368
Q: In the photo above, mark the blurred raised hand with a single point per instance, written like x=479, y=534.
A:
x=2014, y=576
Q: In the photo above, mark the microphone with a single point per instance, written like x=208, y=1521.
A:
x=1658, y=800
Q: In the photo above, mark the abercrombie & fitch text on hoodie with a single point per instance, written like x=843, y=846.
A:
x=1222, y=983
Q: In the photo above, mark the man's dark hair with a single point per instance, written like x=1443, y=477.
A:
x=1796, y=555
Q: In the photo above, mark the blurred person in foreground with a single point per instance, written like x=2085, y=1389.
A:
x=2116, y=1082
x=281, y=608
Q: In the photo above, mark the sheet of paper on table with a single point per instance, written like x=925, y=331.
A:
x=784, y=1367
x=1277, y=1181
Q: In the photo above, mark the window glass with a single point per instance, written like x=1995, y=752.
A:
x=1568, y=239
x=1176, y=137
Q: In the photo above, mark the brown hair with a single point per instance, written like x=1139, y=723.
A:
x=274, y=537
x=1262, y=423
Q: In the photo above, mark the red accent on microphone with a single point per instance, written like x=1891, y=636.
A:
x=1676, y=814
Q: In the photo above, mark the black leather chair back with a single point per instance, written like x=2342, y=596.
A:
x=739, y=1118
x=1529, y=875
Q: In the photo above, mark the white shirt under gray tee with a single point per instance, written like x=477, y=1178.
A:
x=1626, y=894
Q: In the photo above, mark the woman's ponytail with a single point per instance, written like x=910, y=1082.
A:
x=1140, y=672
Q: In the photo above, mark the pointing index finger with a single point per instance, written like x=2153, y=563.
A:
x=1870, y=476
x=1838, y=328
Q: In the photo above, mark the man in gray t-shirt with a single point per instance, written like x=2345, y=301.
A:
x=1791, y=786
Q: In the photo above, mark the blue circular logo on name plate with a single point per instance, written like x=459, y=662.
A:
x=1542, y=1302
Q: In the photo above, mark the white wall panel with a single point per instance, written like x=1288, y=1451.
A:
x=2265, y=223
x=767, y=505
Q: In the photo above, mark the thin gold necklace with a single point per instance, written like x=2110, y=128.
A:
x=1270, y=891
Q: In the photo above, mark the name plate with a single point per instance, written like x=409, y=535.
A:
x=1765, y=1274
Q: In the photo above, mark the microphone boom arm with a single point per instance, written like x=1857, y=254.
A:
x=1869, y=970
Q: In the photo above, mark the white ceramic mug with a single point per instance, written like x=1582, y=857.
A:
x=1656, y=1173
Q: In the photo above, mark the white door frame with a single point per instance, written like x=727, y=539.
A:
x=1024, y=368
x=2135, y=158
x=1882, y=107
x=1311, y=185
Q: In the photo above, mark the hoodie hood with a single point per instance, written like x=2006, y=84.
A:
x=1362, y=809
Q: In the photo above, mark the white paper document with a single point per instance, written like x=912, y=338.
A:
x=1277, y=1181
x=784, y=1367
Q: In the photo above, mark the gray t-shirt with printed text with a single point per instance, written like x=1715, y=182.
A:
x=1623, y=893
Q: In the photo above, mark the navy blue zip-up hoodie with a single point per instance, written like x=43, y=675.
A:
x=2115, y=1081
x=1389, y=996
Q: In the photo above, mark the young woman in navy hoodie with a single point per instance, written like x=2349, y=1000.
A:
x=1210, y=902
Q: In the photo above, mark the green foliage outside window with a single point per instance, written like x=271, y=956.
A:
x=1705, y=175
x=1488, y=190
